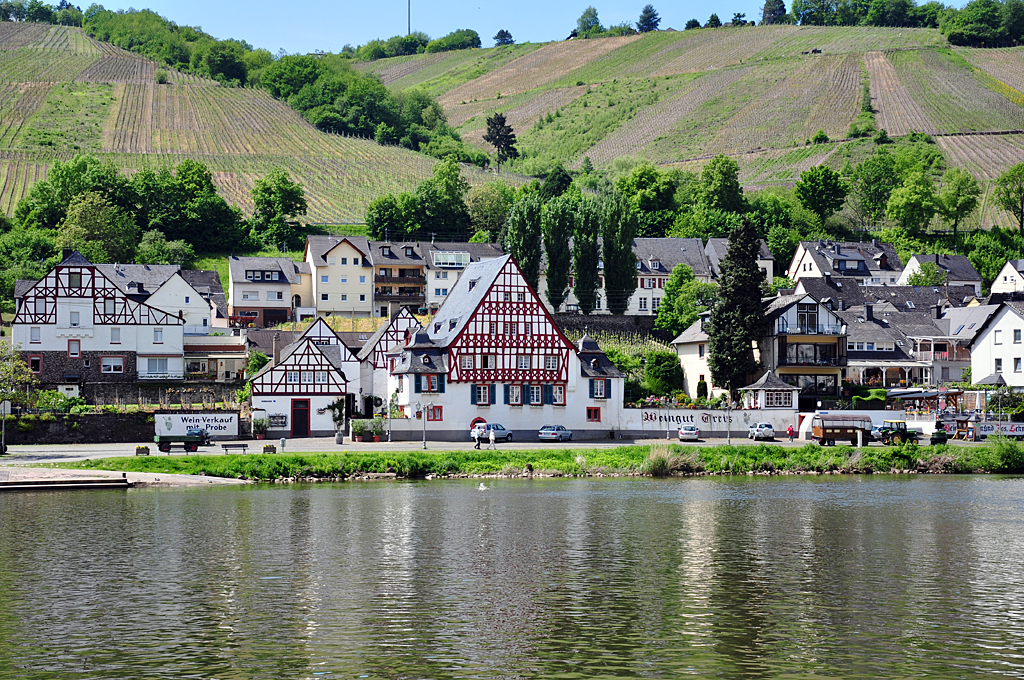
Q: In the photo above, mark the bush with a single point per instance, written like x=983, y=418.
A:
x=702, y=389
x=82, y=408
x=160, y=76
x=820, y=138
x=52, y=400
x=358, y=428
x=109, y=408
x=26, y=425
x=1010, y=454
x=47, y=418
x=882, y=137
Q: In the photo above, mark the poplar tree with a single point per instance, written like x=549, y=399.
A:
x=619, y=227
x=523, y=239
x=559, y=219
x=586, y=254
x=737, y=320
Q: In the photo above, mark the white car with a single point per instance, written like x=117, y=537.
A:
x=689, y=433
x=483, y=430
x=761, y=431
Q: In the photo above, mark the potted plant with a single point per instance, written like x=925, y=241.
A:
x=269, y=448
x=259, y=427
x=358, y=430
x=377, y=428
x=141, y=450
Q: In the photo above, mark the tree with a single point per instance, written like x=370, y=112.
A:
x=558, y=222
x=663, y=374
x=913, y=204
x=523, y=238
x=503, y=37
x=737, y=320
x=691, y=24
x=440, y=201
x=927, y=274
x=822, y=191
x=99, y=230
x=713, y=21
x=1010, y=192
x=958, y=197
x=814, y=12
x=277, y=201
x=719, y=185
x=685, y=298
x=588, y=21
x=774, y=12
x=15, y=375
x=154, y=248
x=587, y=167
x=488, y=207
x=555, y=184
x=502, y=138
x=649, y=20
x=619, y=226
x=586, y=254
x=874, y=180
x=739, y=19
x=225, y=61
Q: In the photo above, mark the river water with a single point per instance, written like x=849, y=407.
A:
x=856, y=577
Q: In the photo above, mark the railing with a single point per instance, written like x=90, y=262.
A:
x=166, y=375
x=400, y=280
x=834, y=361
x=399, y=297
x=786, y=328
x=925, y=355
x=196, y=330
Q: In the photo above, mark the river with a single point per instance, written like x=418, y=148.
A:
x=858, y=577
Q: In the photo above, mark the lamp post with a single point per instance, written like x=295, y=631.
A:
x=423, y=410
x=728, y=414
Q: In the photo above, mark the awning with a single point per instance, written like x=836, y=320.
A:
x=993, y=379
x=203, y=355
x=886, y=363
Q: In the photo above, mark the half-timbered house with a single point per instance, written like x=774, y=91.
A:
x=296, y=387
x=374, y=360
x=76, y=325
x=493, y=354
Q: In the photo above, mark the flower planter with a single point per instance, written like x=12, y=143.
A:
x=357, y=438
x=376, y=438
x=269, y=448
x=141, y=450
x=261, y=436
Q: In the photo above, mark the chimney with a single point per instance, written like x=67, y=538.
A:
x=277, y=349
x=842, y=304
x=874, y=242
x=869, y=312
x=936, y=258
x=66, y=253
x=937, y=311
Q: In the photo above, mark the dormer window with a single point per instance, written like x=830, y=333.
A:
x=451, y=324
x=437, y=327
x=426, y=361
x=386, y=251
x=409, y=252
x=638, y=265
x=654, y=264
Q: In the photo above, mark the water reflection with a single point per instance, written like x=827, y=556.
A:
x=730, y=578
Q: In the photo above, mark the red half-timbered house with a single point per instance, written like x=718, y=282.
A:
x=493, y=353
x=374, y=356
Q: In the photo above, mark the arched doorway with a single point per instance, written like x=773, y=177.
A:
x=296, y=301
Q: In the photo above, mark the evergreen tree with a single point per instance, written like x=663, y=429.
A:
x=503, y=37
x=649, y=20
x=559, y=221
x=555, y=184
x=774, y=12
x=586, y=254
x=713, y=21
x=587, y=167
x=691, y=24
x=619, y=226
x=737, y=320
x=523, y=239
x=502, y=138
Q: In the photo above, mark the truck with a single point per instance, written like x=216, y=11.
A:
x=826, y=428
x=895, y=432
x=190, y=441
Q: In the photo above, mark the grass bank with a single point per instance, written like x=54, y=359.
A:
x=663, y=460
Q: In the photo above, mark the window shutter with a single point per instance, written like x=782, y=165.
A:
x=608, y=388
x=472, y=394
x=548, y=394
x=494, y=394
x=526, y=394
x=418, y=385
x=506, y=393
x=440, y=383
x=591, y=388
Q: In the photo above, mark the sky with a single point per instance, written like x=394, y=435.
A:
x=307, y=25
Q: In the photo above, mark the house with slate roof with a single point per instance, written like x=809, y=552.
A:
x=998, y=345
x=957, y=269
x=1010, y=278
x=399, y=277
x=266, y=291
x=492, y=353
x=716, y=248
x=692, y=348
x=871, y=264
x=341, y=274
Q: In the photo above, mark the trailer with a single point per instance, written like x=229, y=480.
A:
x=190, y=442
x=826, y=428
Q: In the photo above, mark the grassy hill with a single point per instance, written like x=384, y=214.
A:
x=678, y=98
x=63, y=93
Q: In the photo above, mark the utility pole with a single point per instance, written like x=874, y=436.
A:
x=408, y=30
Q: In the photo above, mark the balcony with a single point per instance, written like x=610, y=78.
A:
x=401, y=298
x=831, y=362
x=161, y=376
x=785, y=328
x=927, y=355
x=400, y=280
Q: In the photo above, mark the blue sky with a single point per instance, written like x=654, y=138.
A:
x=307, y=25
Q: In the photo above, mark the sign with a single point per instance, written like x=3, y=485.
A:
x=216, y=424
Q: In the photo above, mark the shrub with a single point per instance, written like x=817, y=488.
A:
x=1010, y=454
x=358, y=428
x=109, y=408
x=882, y=137
x=160, y=76
x=702, y=389
x=26, y=425
x=52, y=400
x=819, y=137
x=47, y=418
x=82, y=408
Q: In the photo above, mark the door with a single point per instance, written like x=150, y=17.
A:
x=300, y=418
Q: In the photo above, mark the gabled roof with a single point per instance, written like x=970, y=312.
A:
x=957, y=267
x=779, y=304
x=75, y=259
x=1012, y=306
x=318, y=246
x=422, y=358
x=138, y=279
x=397, y=256
x=463, y=299
x=335, y=355
x=263, y=339
x=922, y=298
x=963, y=323
x=769, y=381
x=716, y=249
x=670, y=252
x=320, y=329
x=22, y=286
x=695, y=333
x=825, y=256
x=289, y=269
x=207, y=283
x=371, y=343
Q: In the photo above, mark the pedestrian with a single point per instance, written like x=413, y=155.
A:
x=491, y=445
x=790, y=431
x=476, y=437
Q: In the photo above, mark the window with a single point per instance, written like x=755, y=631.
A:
x=870, y=346
x=40, y=306
x=527, y=329
x=483, y=394
x=158, y=336
x=435, y=413
x=250, y=295
x=112, y=365
x=593, y=414
x=34, y=334
x=493, y=328
x=74, y=348
x=437, y=291
x=344, y=279
x=551, y=363
x=511, y=328
x=429, y=383
x=1016, y=365
x=1016, y=336
x=115, y=335
x=999, y=365
x=74, y=280
x=558, y=395
x=362, y=279
x=307, y=377
x=187, y=299
x=156, y=366
x=700, y=351
x=331, y=261
x=76, y=319
x=276, y=295
x=515, y=394
x=324, y=279
x=654, y=303
x=293, y=377
x=643, y=304
x=452, y=324
x=507, y=297
x=35, y=364
x=323, y=298
x=321, y=377
x=362, y=297
x=524, y=362
x=274, y=275
x=488, y=361
x=466, y=362
x=344, y=260
x=536, y=398
x=108, y=306
x=344, y=297
x=520, y=297
x=778, y=399
x=409, y=252
x=386, y=273
x=205, y=320
x=860, y=345
x=851, y=345
x=997, y=337
x=598, y=388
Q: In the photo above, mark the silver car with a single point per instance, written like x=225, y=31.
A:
x=761, y=431
x=555, y=433
x=483, y=431
x=689, y=433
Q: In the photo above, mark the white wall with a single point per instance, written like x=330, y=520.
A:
x=1009, y=280
x=985, y=350
x=319, y=424
x=177, y=296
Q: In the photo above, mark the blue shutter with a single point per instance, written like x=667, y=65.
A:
x=548, y=394
x=526, y=394
x=472, y=394
x=506, y=393
x=591, y=388
x=418, y=383
x=494, y=394
x=440, y=383
x=608, y=388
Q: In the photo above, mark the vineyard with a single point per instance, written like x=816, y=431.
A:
x=1005, y=65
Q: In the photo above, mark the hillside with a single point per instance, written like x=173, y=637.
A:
x=63, y=93
x=678, y=98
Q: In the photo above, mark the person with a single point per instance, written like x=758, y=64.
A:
x=790, y=431
x=476, y=438
x=491, y=445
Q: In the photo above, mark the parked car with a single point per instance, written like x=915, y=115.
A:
x=554, y=433
x=761, y=431
x=483, y=430
x=876, y=433
x=689, y=433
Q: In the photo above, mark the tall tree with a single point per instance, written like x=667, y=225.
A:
x=719, y=185
x=649, y=20
x=523, y=238
x=559, y=221
x=774, y=12
x=502, y=138
x=958, y=197
x=822, y=191
x=555, y=184
x=692, y=24
x=588, y=21
x=488, y=207
x=1010, y=192
x=737, y=320
x=99, y=230
x=586, y=254
x=913, y=204
x=619, y=226
x=277, y=201
x=441, y=202
x=713, y=22
x=685, y=298
x=503, y=37
x=873, y=181
x=739, y=19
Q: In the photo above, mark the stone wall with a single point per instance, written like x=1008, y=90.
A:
x=606, y=323
x=159, y=393
x=98, y=428
x=55, y=366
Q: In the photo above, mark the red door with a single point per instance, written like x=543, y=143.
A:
x=300, y=418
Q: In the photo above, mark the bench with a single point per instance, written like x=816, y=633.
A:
x=228, y=447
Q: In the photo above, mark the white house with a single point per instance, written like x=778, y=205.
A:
x=341, y=276
x=444, y=264
x=998, y=346
x=1010, y=278
x=871, y=264
x=957, y=269
x=692, y=348
x=493, y=354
